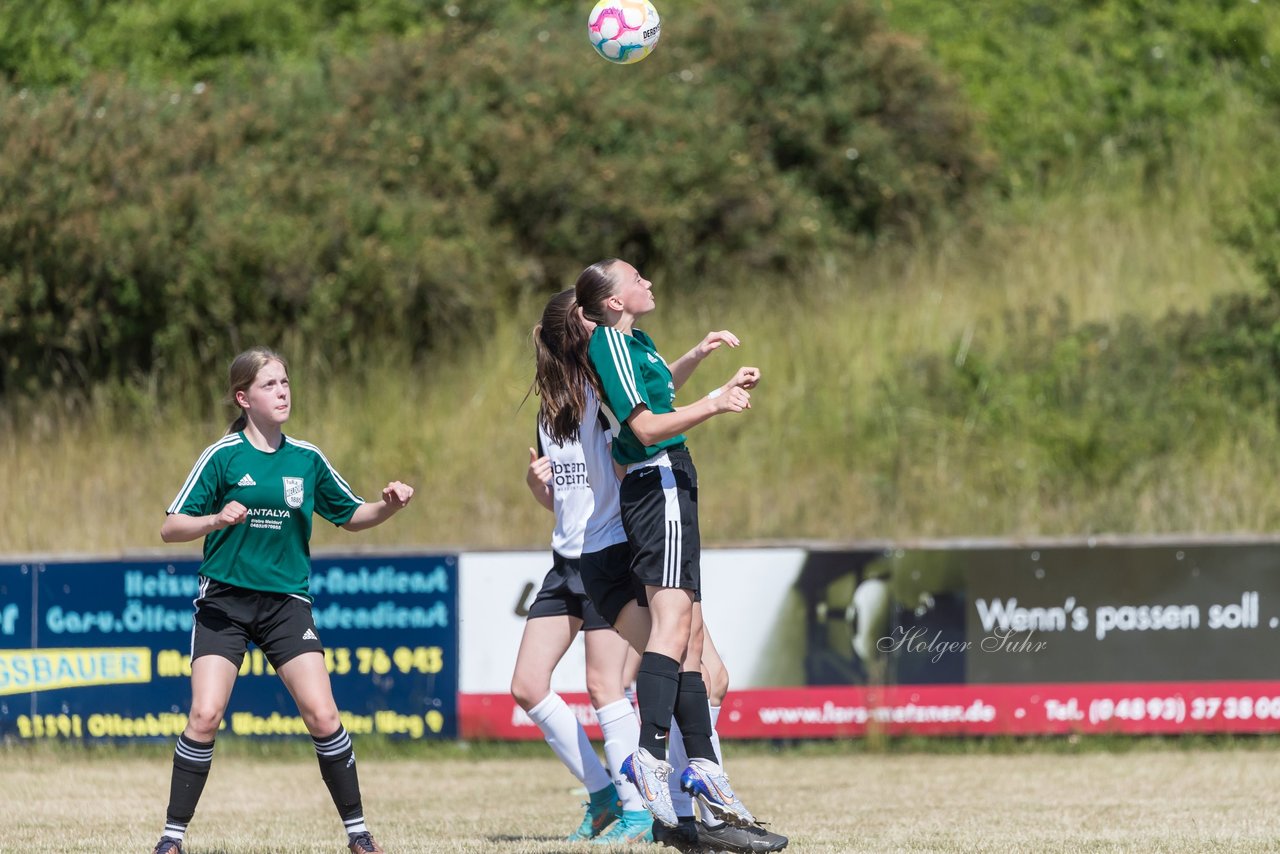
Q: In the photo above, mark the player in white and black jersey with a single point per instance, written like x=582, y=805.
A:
x=557, y=478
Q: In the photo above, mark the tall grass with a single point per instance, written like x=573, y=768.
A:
x=830, y=449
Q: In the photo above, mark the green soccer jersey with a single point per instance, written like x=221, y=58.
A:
x=270, y=550
x=632, y=374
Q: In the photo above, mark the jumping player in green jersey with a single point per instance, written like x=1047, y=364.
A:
x=571, y=416
x=251, y=496
x=658, y=497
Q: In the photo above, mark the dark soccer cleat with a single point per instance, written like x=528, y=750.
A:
x=683, y=837
x=749, y=840
x=168, y=845
x=362, y=843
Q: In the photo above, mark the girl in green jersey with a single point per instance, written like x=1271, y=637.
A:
x=658, y=502
x=251, y=496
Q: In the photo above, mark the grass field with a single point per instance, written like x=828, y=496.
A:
x=1043, y=799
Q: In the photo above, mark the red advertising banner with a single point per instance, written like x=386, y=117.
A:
x=1135, y=708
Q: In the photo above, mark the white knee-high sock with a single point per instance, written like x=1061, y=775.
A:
x=679, y=760
x=715, y=733
x=621, y=730
x=568, y=740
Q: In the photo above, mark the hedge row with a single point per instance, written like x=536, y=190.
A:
x=410, y=190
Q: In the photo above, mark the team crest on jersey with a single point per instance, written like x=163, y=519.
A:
x=293, y=493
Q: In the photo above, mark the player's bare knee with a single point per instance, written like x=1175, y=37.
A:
x=321, y=723
x=603, y=689
x=528, y=692
x=717, y=681
x=203, y=721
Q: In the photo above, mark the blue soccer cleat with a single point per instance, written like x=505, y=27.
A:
x=707, y=783
x=649, y=775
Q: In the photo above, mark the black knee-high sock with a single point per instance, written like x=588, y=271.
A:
x=657, y=683
x=338, y=768
x=694, y=716
x=191, y=761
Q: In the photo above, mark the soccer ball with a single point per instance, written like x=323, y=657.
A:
x=624, y=31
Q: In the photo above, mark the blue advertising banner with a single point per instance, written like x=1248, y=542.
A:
x=102, y=649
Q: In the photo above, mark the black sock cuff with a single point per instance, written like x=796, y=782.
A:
x=660, y=665
x=691, y=680
x=189, y=753
x=333, y=746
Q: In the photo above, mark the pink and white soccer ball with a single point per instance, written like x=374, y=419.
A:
x=624, y=31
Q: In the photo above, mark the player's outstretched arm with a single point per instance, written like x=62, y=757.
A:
x=682, y=368
x=181, y=528
x=651, y=428
x=395, y=495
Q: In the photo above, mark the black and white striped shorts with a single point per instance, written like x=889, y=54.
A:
x=660, y=514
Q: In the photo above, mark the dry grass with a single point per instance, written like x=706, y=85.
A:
x=1196, y=800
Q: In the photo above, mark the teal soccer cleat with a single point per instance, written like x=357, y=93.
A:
x=634, y=826
x=603, y=809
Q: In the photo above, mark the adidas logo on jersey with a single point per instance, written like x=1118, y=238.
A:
x=247, y=481
x=309, y=635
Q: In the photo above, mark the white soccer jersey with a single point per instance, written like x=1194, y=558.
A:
x=584, y=487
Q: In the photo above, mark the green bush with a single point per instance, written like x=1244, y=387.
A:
x=405, y=193
x=1062, y=84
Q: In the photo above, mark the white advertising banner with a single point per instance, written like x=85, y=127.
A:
x=746, y=604
x=495, y=590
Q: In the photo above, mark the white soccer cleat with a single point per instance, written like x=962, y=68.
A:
x=706, y=782
x=649, y=775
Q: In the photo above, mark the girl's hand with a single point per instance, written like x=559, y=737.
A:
x=733, y=399
x=397, y=494
x=232, y=514
x=746, y=377
x=713, y=341
x=539, y=469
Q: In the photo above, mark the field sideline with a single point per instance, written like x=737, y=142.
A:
x=1195, y=799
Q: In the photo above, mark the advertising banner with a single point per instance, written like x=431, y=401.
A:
x=102, y=649
x=1135, y=637
x=945, y=639
x=495, y=590
x=746, y=595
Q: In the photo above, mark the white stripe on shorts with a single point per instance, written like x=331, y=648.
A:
x=675, y=531
x=673, y=543
x=204, y=590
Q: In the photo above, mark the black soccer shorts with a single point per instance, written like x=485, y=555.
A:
x=562, y=595
x=660, y=514
x=229, y=618
x=610, y=585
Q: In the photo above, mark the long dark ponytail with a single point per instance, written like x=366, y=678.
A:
x=563, y=369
